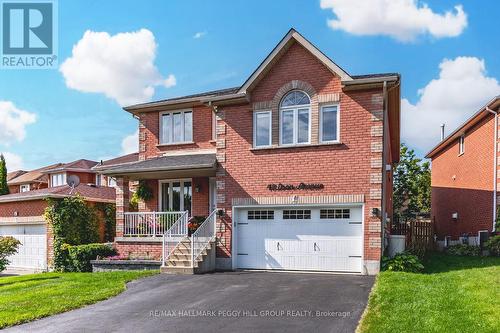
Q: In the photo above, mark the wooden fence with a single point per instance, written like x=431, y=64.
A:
x=419, y=233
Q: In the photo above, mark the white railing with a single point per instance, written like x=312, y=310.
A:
x=174, y=236
x=149, y=224
x=202, y=237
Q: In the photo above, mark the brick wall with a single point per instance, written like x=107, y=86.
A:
x=464, y=184
x=85, y=177
x=149, y=133
x=24, y=208
x=150, y=250
x=352, y=167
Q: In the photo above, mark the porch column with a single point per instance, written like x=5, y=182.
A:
x=122, y=203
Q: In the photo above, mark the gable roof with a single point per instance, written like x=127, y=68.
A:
x=81, y=165
x=117, y=161
x=88, y=192
x=14, y=174
x=33, y=176
x=292, y=37
x=493, y=105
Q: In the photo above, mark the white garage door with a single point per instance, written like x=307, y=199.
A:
x=291, y=238
x=32, y=253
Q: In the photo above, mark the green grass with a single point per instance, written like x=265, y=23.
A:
x=454, y=294
x=29, y=297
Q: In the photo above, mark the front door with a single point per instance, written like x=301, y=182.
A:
x=176, y=195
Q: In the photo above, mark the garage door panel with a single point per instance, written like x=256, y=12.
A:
x=317, y=243
x=32, y=253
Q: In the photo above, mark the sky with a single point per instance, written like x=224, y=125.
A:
x=112, y=54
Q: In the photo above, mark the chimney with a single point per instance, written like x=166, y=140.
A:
x=442, y=132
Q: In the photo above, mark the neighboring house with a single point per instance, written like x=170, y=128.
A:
x=21, y=216
x=465, y=177
x=296, y=162
x=21, y=211
x=30, y=180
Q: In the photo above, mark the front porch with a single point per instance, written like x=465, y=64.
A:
x=181, y=194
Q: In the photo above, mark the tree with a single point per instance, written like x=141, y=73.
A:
x=4, y=189
x=8, y=247
x=412, y=185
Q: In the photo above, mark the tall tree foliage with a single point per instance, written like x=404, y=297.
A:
x=4, y=189
x=412, y=185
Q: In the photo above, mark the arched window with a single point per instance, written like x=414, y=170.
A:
x=295, y=115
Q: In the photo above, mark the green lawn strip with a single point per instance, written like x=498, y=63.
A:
x=29, y=297
x=454, y=294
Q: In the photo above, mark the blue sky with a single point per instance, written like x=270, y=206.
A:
x=234, y=37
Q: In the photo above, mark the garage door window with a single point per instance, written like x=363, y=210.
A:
x=297, y=214
x=335, y=214
x=260, y=215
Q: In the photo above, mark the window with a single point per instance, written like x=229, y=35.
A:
x=296, y=214
x=295, y=124
x=24, y=188
x=335, y=214
x=111, y=182
x=262, y=128
x=176, y=127
x=260, y=215
x=57, y=179
x=329, y=121
x=176, y=195
x=461, y=145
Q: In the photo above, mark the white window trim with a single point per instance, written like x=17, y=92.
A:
x=461, y=145
x=295, y=110
x=255, y=128
x=24, y=186
x=337, y=140
x=182, y=111
x=64, y=178
x=170, y=181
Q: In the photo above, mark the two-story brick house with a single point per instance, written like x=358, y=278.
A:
x=295, y=164
x=465, y=177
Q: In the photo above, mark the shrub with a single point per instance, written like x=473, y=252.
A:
x=493, y=245
x=81, y=255
x=402, y=262
x=463, y=250
x=8, y=247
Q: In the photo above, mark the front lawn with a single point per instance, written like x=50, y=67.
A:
x=28, y=297
x=454, y=294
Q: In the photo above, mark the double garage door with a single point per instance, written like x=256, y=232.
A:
x=305, y=238
x=32, y=253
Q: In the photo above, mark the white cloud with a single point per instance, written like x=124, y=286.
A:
x=461, y=89
x=200, y=34
x=13, y=122
x=403, y=20
x=120, y=66
x=130, y=144
x=14, y=162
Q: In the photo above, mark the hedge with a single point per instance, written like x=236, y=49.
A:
x=78, y=257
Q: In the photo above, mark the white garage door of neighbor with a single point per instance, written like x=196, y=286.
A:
x=314, y=239
x=32, y=253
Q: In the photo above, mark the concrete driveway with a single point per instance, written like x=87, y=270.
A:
x=223, y=302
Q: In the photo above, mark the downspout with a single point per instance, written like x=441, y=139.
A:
x=495, y=167
x=384, y=162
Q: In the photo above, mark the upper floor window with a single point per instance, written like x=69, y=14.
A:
x=24, y=188
x=57, y=179
x=176, y=127
x=461, y=145
x=262, y=128
x=295, y=114
x=329, y=123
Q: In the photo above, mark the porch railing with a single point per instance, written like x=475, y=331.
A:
x=174, y=236
x=149, y=224
x=202, y=237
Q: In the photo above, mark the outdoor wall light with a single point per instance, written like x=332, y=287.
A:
x=197, y=188
x=220, y=212
x=376, y=212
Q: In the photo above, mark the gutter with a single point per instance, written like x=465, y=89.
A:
x=184, y=167
x=495, y=166
x=383, y=80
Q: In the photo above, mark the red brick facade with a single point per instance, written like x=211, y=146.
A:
x=463, y=184
x=353, y=167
